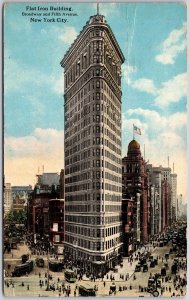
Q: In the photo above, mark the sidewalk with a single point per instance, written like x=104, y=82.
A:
x=127, y=269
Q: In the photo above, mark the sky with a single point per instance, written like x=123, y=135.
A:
x=152, y=37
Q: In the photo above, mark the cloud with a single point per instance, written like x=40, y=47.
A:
x=19, y=77
x=67, y=35
x=172, y=91
x=162, y=138
x=23, y=155
x=58, y=85
x=172, y=46
x=127, y=71
x=145, y=85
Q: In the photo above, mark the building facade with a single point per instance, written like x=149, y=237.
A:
x=174, y=210
x=47, y=188
x=7, y=198
x=56, y=221
x=160, y=197
x=93, y=183
x=20, y=196
x=128, y=225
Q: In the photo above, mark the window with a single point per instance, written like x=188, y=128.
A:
x=97, y=107
x=97, y=141
x=98, y=185
x=97, y=118
x=97, y=174
x=97, y=163
x=98, y=197
x=97, y=129
x=98, y=84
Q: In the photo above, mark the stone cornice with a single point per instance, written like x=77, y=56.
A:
x=79, y=40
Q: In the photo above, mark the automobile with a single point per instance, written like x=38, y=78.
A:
x=145, y=268
x=166, y=266
x=138, y=268
x=163, y=271
x=156, y=261
x=56, y=266
x=152, y=287
x=151, y=258
x=165, y=242
x=24, y=257
x=86, y=290
x=142, y=260
x=174, y=268
x=115, y=269
x=113, y=287
x=176, y=260
x=40, y=262
x=152, y=264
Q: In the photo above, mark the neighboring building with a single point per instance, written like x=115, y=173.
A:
x=160, y=197
x=128, y=226
x=135, y=183
x=166, y=204
x=56, y=221
x=47, y=188
x=20, y=196
x=62, y=184
x=7, y=198
x=47, y=180
x=174, y=210
x=155, y=181
x=92, y=107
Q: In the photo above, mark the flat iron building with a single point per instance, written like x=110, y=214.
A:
x=93, y=163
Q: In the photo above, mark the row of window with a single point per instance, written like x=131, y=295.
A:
x=95, y=197
x=112, y=167
x=91, y=56
x=81, y=106
x=84, y=165
x=91, y=232
x=94, y=185
x=108, y=96
x=91, y=208
x=87, y=153
x=87, y=244
x=77, y=178
x=93, y=220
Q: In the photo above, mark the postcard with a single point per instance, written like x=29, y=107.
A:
x=95, y=154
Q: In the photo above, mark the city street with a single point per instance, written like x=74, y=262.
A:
x=30, y=285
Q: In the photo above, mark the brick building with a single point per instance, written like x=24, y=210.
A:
x=135, y=187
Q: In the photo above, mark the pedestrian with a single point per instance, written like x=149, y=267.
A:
x=104, y=283
x=28, y=287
